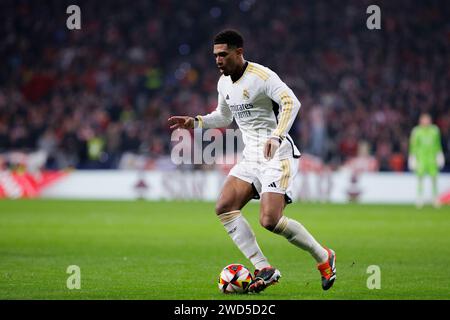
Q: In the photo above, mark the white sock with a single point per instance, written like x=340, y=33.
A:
x=243, y=236
x=296, y=234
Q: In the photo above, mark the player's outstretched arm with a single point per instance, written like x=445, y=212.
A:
x=219, y=118
x=181, y=122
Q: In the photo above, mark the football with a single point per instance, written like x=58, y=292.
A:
x=235, y=278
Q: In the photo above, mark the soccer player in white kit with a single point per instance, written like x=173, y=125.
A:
x=264, y=108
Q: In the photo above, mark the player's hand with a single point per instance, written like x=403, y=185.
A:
x=271, y=146
x=183, y=122
x=412, y=163
x=440, y=160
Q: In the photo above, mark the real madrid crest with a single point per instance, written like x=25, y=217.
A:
x=245, y=94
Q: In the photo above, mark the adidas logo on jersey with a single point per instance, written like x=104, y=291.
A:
x=272, y=185
x=228, y=97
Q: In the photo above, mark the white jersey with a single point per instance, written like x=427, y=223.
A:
x=262, y=105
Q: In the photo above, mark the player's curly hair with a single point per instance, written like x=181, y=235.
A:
x=230, y=37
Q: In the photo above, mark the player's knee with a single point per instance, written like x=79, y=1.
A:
x=223, y=207
x=268, y=221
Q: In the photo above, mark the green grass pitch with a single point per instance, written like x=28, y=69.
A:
x=176, y=250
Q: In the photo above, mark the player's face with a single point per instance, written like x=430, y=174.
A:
x=425, y=120
x=226, y=58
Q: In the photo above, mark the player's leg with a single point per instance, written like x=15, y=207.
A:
x=434, y=183
x=419, y=200
x=420, y=172
x=274, y=198
x=235, y=194
x=271, y=218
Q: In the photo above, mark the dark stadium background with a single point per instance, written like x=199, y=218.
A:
x=114, y=83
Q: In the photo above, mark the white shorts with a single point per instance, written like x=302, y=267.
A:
x=268, y=176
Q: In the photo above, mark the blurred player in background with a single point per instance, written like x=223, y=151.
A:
x=264, y=108
x=426, y=156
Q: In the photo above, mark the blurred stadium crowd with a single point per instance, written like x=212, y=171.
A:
x=85, y=98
